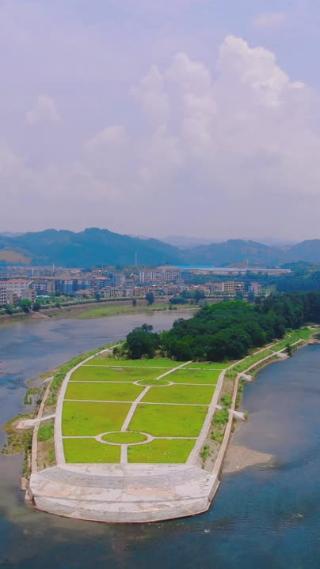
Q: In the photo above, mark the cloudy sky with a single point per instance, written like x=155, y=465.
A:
x=171, y=117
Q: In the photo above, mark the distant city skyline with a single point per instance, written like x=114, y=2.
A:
x=187, y=117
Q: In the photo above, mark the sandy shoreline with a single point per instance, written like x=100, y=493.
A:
x=239, y=457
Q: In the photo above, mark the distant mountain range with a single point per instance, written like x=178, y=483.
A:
x=93, y=247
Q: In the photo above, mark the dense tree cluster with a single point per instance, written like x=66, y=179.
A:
x=304, y=280
x=228, y=330
x=140, y=343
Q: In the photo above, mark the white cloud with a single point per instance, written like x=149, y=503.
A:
x=43, y=111
x=270, y=20
x=226, y=153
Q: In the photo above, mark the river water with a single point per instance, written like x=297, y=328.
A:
x=263, y=517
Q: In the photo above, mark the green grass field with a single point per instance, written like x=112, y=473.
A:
x=103, y=391
x=168, y=421
x=145, y=364
x=161, y=451
x=292, y=337
x=170, y=410
x=209, y=365
x=194, y=376
x=89, y=450
x=180, y=394
x=88, y=373
x=91, y=419
x=165, y=410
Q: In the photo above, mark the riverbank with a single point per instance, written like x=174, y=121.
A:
x=92, y=310
x=216, y=443
x=240, y=457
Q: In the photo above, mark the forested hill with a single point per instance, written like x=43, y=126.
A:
x=93, y=247
x=87, y=248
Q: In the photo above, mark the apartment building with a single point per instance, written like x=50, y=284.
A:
x=159, y=276
x=13, y=290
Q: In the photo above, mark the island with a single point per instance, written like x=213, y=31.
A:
x=138, y=432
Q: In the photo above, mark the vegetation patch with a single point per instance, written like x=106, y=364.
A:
x=91, y=419
x=124, y=438
x=227, y=330
x=87, y=373
x=103, y=391
x=46, y=431
x=81, y=451
x=164, y=363
x=292, y=337
x=18, y=442
x=251, y=360
x=114, y=310
x=151, y=382
x=169, y=421
x=180, y=394
x=60, y=375
x=161, y=451
x=33, y=395
x=211, y=366
x=194, y=376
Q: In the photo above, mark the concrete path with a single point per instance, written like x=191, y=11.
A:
x=136, y=403
x=30, y=423
x=133, y=409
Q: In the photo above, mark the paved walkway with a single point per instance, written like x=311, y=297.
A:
x=136, y=403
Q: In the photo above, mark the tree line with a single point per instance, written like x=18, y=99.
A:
x=228, y=330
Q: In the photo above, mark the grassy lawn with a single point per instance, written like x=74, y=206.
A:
x=194, y=376
x=89, y=450
x=147, y=382
x=157, y=363
x=250, y=360
x=208, y=365
x=161, y=451
x=168, y=421
x=87, y=373
x=103, y=391
x=292, y=337
x=46, y=431
x=80, y=419
x=124, y=438
x=180, y=394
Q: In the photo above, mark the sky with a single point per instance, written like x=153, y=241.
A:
x=181, y=117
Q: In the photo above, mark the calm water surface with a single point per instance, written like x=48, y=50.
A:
x=262, y=518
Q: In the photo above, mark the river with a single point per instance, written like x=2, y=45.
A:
x=263, y=517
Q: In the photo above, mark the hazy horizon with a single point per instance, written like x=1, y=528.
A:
x=189, y=117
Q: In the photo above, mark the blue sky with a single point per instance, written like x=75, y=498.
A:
x=190, y=117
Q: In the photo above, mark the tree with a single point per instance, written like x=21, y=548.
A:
x=36, y=306
x=150, y=298
x=178, y=300
x=9, y=309
x=141, y=342
x=198, y=295
x=25, y=304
